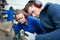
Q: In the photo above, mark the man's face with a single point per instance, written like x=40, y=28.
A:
x=34, y=11
x=30, y=9
x=20, y=18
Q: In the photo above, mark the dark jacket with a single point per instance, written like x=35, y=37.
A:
x=50, y=20
x=33, y=26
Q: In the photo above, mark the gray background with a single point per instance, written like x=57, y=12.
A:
x=19, y=4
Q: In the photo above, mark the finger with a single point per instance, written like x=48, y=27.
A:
x=27, y=38
x=28, y=33
x=25, y=34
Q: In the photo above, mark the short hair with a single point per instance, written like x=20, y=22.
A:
x=29, y=4
x=11, y=8
x=21, y=11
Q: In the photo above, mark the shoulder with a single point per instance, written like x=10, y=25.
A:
x=54, y=9
x=10, y=10
x=51, y=6
x=34, y=19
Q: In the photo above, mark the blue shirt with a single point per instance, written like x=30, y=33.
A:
x=33, y=26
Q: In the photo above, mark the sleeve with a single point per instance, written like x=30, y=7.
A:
x=17, y=28
x=39, y=26
x=54, y=13
x=6, y=12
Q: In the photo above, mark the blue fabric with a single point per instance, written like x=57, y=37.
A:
x=10, y=14
x=33, y=26
x=50, y=20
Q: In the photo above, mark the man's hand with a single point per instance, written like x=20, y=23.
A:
x=30, y=36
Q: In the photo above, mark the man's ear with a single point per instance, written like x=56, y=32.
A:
x=15, y=18
x=26, y=15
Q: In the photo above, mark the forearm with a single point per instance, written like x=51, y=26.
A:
x=55, y=35
x=6, y=12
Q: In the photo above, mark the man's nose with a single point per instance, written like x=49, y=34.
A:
x=33, y=15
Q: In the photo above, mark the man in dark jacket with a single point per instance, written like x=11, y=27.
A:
x=50, y=20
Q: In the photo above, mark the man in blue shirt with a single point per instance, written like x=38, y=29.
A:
x=10, y=14
x=27, y=23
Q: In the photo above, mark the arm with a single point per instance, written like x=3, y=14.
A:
x=6, y=12
x=17, y=28
x=54, y=13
